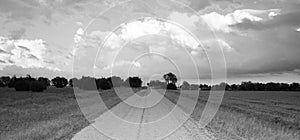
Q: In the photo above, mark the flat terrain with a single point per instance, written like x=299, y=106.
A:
x=55, y=114
x=52, y=114
x=251, y=114
x=147, y=116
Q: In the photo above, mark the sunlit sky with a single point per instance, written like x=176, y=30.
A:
x=260, y=39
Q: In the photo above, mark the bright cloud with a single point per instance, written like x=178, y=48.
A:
x=140, y=28
x=220, y=22
x=23, y=53
x=122, y=63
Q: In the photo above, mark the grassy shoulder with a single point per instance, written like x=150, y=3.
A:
x=52, y=114
x=250, y=115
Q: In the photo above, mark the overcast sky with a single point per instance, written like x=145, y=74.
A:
x=260, y=39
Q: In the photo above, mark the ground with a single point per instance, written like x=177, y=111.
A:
x=55, y=114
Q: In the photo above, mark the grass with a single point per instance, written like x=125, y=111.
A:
x=52, y=114
x=251, y=115
x=55, y=113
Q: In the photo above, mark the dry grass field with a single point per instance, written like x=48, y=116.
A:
x=55, y=114
x=261, y=115
x=52, y=114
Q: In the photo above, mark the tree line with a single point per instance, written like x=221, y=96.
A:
x=40, y=84
x=257, y=86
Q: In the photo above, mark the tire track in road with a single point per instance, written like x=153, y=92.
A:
x=141, y=123
x=144, y=123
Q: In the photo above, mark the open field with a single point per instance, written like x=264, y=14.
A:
x=55, y=114
x=251, y=114
x=52, y=114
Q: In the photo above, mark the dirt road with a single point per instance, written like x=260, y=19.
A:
x=146, y=115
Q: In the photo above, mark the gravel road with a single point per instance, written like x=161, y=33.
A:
x=146, y=115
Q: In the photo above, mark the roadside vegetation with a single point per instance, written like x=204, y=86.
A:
x=259, y=115
x=40, y=108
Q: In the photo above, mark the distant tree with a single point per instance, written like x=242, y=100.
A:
x=185, y=85
x=115, y=81
x=12, y=82
x=294, y=87
x=103, y=84
x=4, y=80
x=170, y=78
x=44, y=80
x=2, y=84
x=38, y=86
x=204, y=87
x=74, y=82
x=194, y=87
x=134, y=82
x=234, y=87
x=222, y=86
x=88, y=83
x=284, y=86
x=171, y=86
x=157, y=84
x=59, y=82
x=22, y=84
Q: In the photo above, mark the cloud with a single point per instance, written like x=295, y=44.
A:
x=2, y=61
x=28, y=11
x=225, y=23
x=35, y=72
x=23, y=53
x=78, y=35
x=17, y=34
x=121, y=63
x=95, y=39
x=136, y=29
x=291, y=19
x=2, y=51
x=199, y=4
x=24, y=48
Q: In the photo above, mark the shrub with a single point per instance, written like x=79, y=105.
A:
x=59, y=82
x=171, y=86
x=37, y=86
x=134, y=82
x=2, y=84
x=22, y=85
x=44, y=80
x=12, y=81
x=103, y=84
x=4, y=81
x=115, y=81
x=87, y=83
x=157, y=84
x=185, y=85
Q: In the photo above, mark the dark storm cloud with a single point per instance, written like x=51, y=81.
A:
x=291, y=19
x=268, y=51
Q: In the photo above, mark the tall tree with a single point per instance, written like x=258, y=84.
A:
x=170, y=78
x=59, y=82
